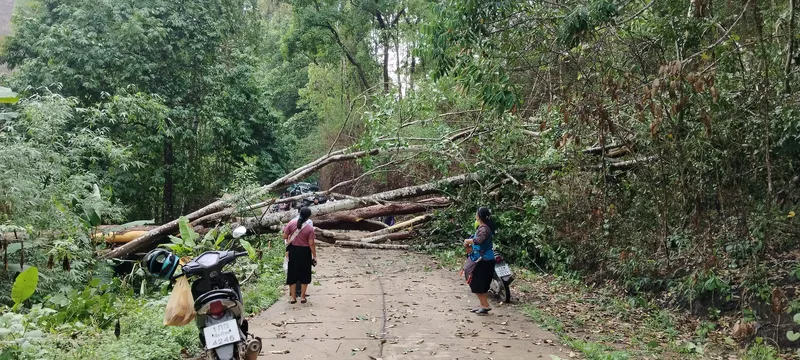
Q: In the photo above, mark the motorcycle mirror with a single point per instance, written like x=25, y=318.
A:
x=239, y=232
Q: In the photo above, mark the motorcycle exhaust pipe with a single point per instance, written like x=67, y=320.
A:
x=253, y=348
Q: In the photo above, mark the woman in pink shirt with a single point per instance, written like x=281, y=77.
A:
x=299, y=238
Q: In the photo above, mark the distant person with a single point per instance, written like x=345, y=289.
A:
x=302, y=253
x=316, y=201
x=479, y=266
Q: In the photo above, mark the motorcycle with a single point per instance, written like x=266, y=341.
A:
x=218, y=306
x=502, y=278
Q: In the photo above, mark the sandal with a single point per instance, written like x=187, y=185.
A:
x=483, y=311
x=293, y=301
x=303, y=300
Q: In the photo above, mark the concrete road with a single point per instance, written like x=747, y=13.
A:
x=384, y=304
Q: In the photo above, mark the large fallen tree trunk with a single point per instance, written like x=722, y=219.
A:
x=357, y=219
x=355, y=203
x=363, y=245
x=152, y=236
x=350, y=223
x=377, y=236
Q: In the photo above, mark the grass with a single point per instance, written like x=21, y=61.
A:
x=592, y=350
x=267, y=288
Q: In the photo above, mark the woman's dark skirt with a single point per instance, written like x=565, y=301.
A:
x=482, y=277
x=299, y=268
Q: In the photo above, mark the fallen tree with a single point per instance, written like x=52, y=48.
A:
x=373, y=238
x=363, y=245
x=268, y=220
x=379, y=235
x=224, y=204
x=357, y=219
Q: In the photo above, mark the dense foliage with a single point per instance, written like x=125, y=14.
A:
x=179, y=84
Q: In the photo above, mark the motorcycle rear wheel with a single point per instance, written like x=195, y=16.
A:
x=501, y=289
x=241, y=351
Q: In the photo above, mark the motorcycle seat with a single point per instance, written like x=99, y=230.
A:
x=213, y=295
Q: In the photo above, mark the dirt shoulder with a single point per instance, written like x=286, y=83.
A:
x=381, y=304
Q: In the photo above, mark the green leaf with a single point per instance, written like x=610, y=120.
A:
x=7, y=96
x=187, y=233
x=220, y=238
x=13, y=247
x=25, y=285
x=59, y=299
x=9, y=115
x=249, y=248
x=176, y=240
x=796, y=318
x=792, y=336
x=92, y=217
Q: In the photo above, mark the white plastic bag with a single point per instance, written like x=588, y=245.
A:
x=285, y=264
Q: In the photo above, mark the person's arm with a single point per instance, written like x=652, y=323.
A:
x=312, y=244
x=480, y=236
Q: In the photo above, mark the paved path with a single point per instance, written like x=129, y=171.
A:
x=382, y=304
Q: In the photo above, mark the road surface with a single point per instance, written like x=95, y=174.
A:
x=384, y=304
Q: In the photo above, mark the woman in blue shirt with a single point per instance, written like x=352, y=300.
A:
x=482, y=256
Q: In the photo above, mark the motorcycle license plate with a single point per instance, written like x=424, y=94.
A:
x=502, y=270
x=224, y=333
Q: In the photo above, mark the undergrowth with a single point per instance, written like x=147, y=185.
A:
x=67, y=327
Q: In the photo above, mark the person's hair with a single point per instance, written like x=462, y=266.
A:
x=305, y=213
x=486, y=217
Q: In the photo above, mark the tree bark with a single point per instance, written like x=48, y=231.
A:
x=787, y=70
x=349, y=223
x=396, y=227
x=358, y=244
x=356, y=203
x=377, y=211
x=369, y=239
x=169, y=182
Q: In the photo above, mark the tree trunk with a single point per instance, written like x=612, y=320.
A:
x=370, y=239
x=169, y=182
x=356, y=203
x=787, y=70
x=402, y=225
x=350, y=223
x=377, y=211
x=360, y=70
x=358, y=244
x=386, y=79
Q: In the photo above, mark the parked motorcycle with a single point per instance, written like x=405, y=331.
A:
x=502, y=279
x=218, y=302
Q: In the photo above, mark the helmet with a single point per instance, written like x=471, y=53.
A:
x=160, y=263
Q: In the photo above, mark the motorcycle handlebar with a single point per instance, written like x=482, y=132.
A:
x=240, y=254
